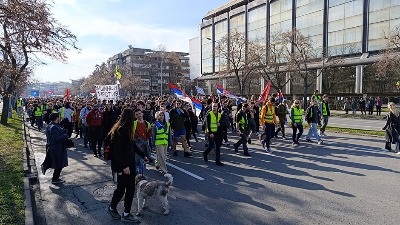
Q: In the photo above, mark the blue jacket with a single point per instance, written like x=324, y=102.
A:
x=56, y=137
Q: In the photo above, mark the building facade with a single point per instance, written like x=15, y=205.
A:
x=354, y=29
x=148, y=65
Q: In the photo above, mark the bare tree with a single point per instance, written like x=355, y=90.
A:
x=102, y=75
x=387, y=68
x=238, y=57
x=28, y=28
x=270, y=59
x=131, y=84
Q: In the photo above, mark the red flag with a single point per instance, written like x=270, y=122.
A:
x=68, y=94
x=264, y=94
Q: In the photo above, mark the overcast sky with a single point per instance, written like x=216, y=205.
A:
x=106, y=27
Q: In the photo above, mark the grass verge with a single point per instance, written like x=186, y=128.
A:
x=11, y=173
x=356, y=131
x=359, y=116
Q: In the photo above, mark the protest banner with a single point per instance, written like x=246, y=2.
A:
x=107, y=92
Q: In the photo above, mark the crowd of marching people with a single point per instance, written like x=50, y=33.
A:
x=161, y=122
x=129, y=130
x=92, y=120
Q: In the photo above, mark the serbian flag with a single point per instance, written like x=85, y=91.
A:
x=118, y=74
x=196, y=103
x=179, y=93
x=222, y=91
x=68, y=95
x=265, y=92
x=281, y=97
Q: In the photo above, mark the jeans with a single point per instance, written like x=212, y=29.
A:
x=324, y=123
x=313, y=131
x=378, y=110
x=281, y=128
x=269, y=131
x=85, y=132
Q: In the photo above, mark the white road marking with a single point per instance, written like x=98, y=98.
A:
x=182, y=170
x=185, y=171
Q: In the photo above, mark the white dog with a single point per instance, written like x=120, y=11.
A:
x=146, y=189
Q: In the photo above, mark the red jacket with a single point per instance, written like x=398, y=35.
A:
x=94, y=118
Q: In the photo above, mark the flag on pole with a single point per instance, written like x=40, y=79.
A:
x=196, y=103
x=67, y=94
x=200, y=90
x=118, y=74
x=265, y=92
x=179, y=93
x=222, y=91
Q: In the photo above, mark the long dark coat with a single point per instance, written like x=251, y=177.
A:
x=56, y=137
x=392, y=128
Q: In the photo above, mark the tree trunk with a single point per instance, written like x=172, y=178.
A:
x=4, y=113
x=305, y=92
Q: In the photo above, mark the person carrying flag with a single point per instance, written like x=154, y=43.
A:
x=268, y=119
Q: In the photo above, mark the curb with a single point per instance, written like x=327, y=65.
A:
x=28, y=203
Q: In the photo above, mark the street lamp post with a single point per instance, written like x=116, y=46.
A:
x=219, y=60
x=162, y=61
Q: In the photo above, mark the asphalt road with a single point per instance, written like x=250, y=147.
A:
x=354, y=123
x=347, y=180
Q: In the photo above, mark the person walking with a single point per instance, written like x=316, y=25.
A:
x=326, y=113
x=38, y=113
x=242, y=126
x=161, y=140
x=378, y=105
x=226, y=114
x=296, y=117
x=85, y=127
x=20, y=107
x=313, y=115
x=56, y=155
x=268, y=120
x=281, y=112
x=177, y=120
x=213, y=128
x=392, y=128
x=362, y=104
x=142, y=136
x=66, y=114
x=123, y=163
x=371, y=104
x=96, y=133
x=347, y=105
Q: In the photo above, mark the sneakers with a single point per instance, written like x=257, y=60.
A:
x=309, y=140
x=114, y=213
x=175, y=153
x=129, y=219
x=269, y=150
x=58, y=181
x=246, y=154
x=320, y=142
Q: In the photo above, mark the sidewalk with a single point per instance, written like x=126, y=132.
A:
x=84, y=197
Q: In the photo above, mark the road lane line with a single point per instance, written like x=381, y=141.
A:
x=182, y=170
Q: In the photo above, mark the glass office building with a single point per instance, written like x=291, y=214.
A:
x=336, y=27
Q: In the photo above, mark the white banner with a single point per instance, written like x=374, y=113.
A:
x=107, y=92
